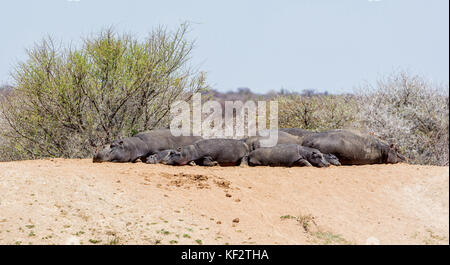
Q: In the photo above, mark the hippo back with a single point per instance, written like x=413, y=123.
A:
x=222, y=150
x=351, y=147
x=283, y=138
x=162, y=139
x=279, y=155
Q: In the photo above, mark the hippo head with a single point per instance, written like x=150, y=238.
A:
x=181, y=156
x=153, y=159
x=317, y=159
x=161, y=157
x=393, y=155
x=117, y=151
x=332, y=159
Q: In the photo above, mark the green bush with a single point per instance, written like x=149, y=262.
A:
x=66, y=101
x=316, y=112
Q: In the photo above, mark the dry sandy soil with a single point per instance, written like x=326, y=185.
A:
x=60, y=201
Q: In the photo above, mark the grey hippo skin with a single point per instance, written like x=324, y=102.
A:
x=253, y=142
x=160, y=156
x=332, y=159
x=211, y=152
x=354, y=148
x=287, y=155
x=141, y=146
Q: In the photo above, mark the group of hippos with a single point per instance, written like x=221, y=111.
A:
x=295, y=147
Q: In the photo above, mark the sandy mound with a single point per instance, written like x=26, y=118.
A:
x=77, y=202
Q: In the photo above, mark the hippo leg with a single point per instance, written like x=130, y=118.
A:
x=207, y=161
x=244, y=162
x=253, y=162
x=304, y=163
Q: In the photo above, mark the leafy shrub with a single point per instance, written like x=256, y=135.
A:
x=66, y=101
x=316, y=112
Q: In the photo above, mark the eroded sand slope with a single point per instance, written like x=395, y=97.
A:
x=63, y=201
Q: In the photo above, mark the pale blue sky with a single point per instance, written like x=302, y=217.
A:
x=264, y=45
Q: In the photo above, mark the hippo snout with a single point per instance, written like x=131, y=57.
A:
x=97, y=159
x=324, y=164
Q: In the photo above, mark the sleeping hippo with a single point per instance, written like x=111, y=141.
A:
x=287, y=155
x=159, y=157
x=354, y=148
x=141, y=146
x=124, y=150
x=332, y=159
x=254, y=142
x=210, y=152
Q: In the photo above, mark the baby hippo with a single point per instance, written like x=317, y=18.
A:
x=160, y=156
x=210, y=152
x=287, y=155
x=332, y=159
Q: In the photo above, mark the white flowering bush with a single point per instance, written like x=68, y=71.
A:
x=410, y=111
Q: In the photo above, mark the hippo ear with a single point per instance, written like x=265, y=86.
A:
x=394, y=147
x=121, y=142
x=179, y=149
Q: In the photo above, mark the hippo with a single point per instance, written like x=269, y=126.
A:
x=254, y=142
x=297, y=131
x=287, y=155
x=354, y=148
x=332, y=159
x=160, y=156
x=210, y=152
x=124, y=150
x=142, y=145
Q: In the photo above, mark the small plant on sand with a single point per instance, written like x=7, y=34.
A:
x=114, y=241
x=319, y=236
x=94, y=241
x=328, y=238
x=433, y=238
x=284, y=217
x=164, y=232
x=79, y=233
x=198, y=241
x=306, y=221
